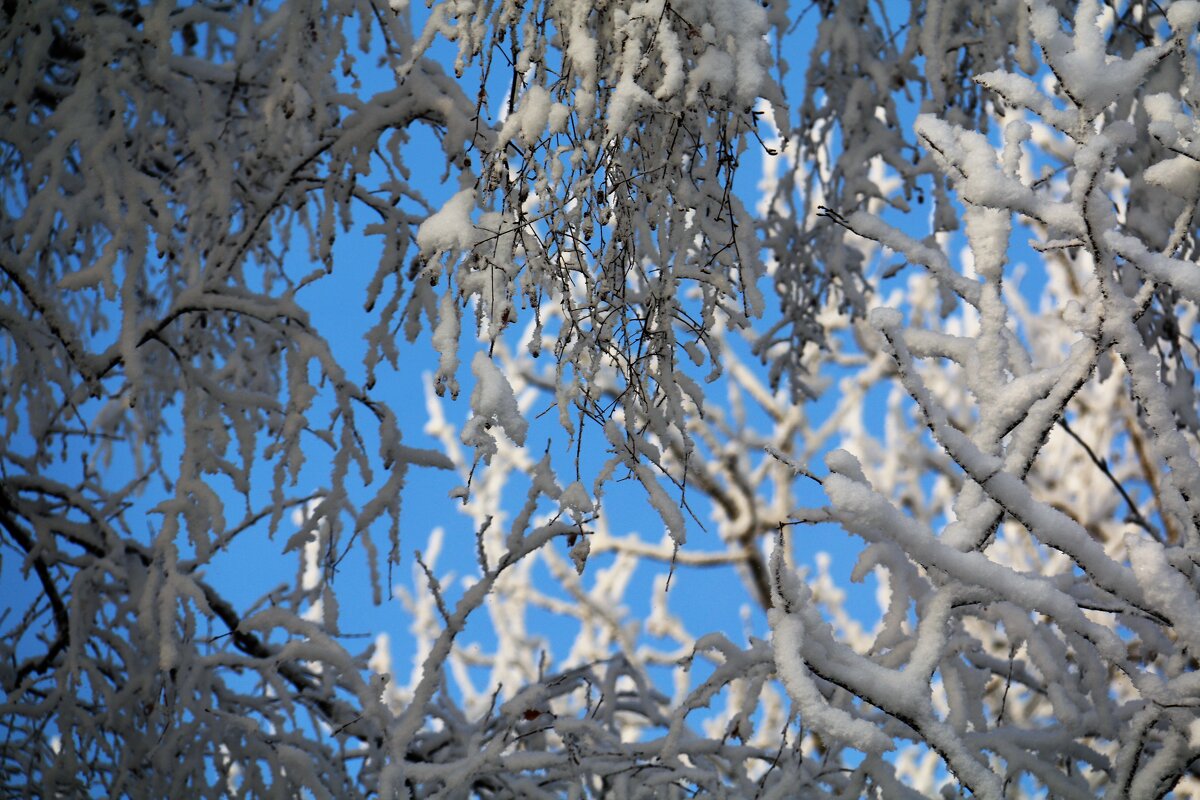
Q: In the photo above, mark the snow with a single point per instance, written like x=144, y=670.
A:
x=714, y=74
x=627, y=96
x=445, y=342
x=557, y=118
x=987, y=231
x=787, y=640
x=1184, y=16
x=1166, y=589
x=451, y=227
x=1183, y=276
x=866, y=513
x=575, y=499
x=886, y=318
x=742, y=26
x=673, y=68
x=1091, y=78
x=531, y=116
x=1179, y=175
x=492, y=404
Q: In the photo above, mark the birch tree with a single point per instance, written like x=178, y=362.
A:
x=956, y=324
